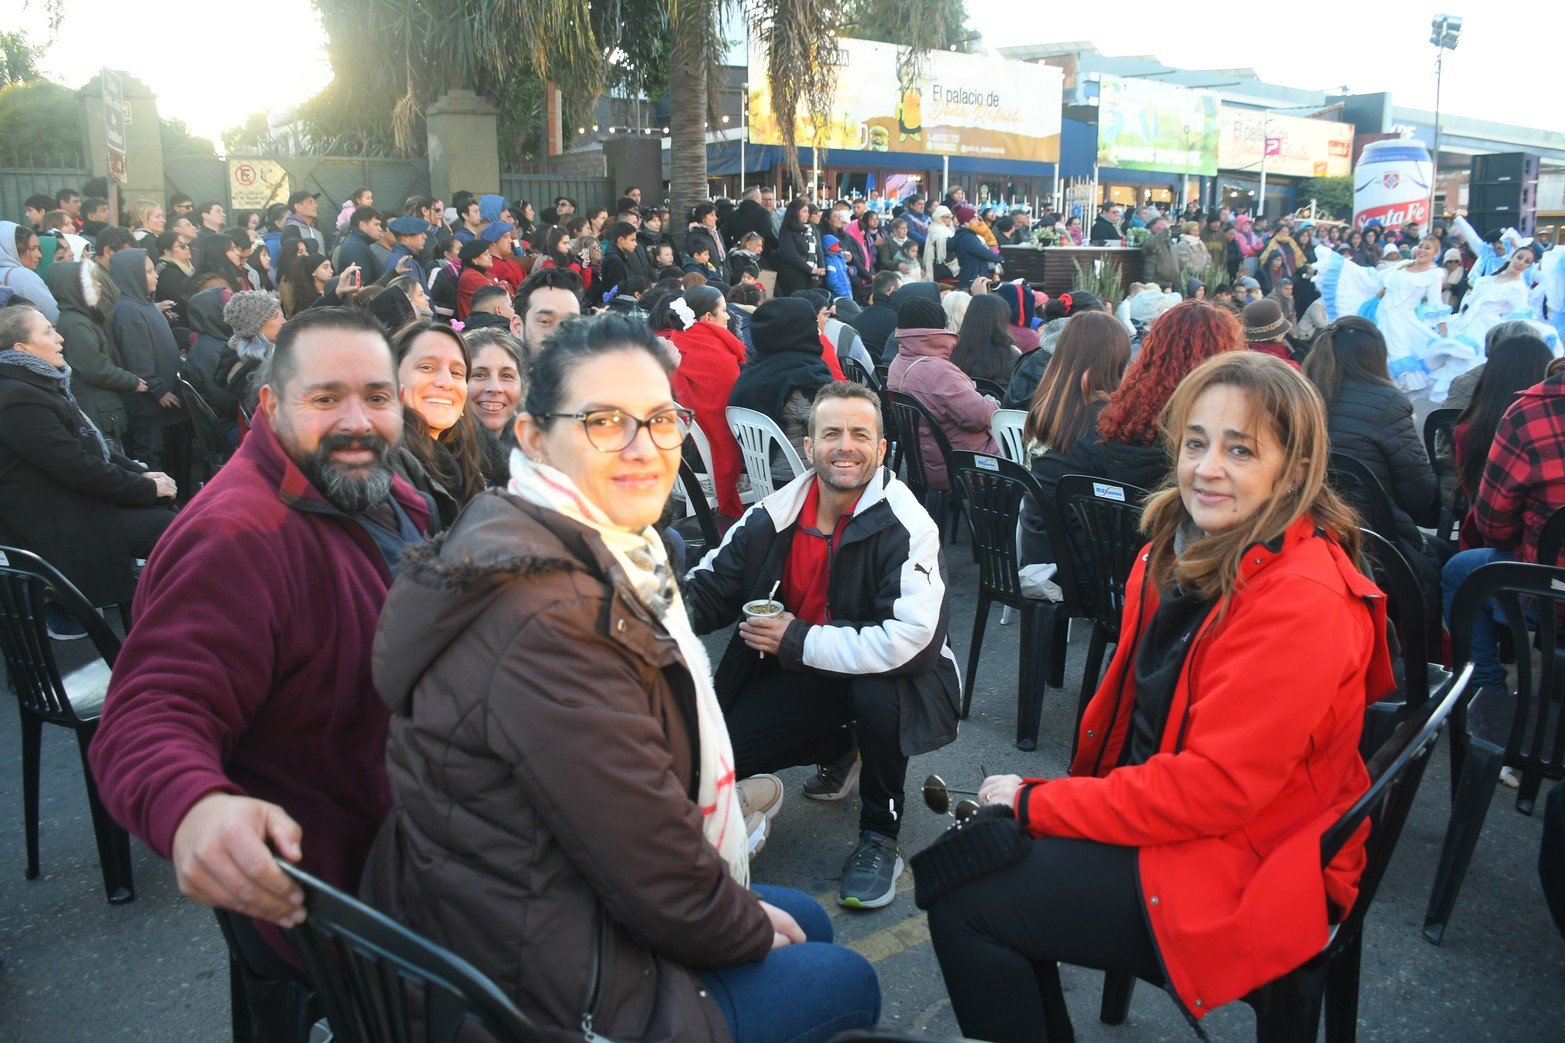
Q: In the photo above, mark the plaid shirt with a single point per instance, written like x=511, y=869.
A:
x=1524, y=479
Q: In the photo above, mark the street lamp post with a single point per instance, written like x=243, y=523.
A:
x=1445, y=31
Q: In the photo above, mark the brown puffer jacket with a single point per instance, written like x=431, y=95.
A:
x=542, y=759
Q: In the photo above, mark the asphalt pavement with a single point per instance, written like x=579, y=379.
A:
x=77, y=968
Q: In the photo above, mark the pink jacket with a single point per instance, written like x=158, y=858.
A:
x=923, y=369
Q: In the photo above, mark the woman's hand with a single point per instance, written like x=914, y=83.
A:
x=785, y=929
x=999, y=789
x=165, y=485
x=348, y=280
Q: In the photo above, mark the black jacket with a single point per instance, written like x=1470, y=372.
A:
x=1085, y=457
x=1374, y=423
x=97, y=378
x=1103, y=229
x=1135, y=463
x=59, y=497
x=750, y=216
x=875, y=324
x=146, y=343
x=887, y=566
x=356, y=248
x=201, y=362
x=787, y=358
x=617, y=267
x=798, y=255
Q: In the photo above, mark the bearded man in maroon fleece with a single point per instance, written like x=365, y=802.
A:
x=242, y=710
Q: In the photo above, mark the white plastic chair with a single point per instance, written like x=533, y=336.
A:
x=757, y=433
x=1006, y=426
x=704, y=451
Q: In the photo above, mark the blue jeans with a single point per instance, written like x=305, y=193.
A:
x=802, y=993
x=1482, y=647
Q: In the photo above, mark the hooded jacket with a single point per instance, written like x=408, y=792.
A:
x=972, y=255
x=97, y=378
x=146, y=343
x=543, y=761
x=923, y=368
x=1227, y=815
x=23, y=281
x=1160, y=261
x=787, y=368
x=709, y=361
x=202, y=362
x=837, y=280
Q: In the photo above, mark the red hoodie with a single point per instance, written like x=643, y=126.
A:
x=709, y=363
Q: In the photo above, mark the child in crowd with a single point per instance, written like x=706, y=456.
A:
x=701, y=260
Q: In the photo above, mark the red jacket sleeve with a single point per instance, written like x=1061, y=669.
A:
x=1257, y=695
x=188, y=680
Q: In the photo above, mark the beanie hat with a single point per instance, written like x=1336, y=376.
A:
x=247, y=311
x=963, y=213
x=1019, y=299
x=785, y=324
x=817, y=297
x=920, y=313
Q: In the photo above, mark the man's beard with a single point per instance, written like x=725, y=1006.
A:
x=352, y=490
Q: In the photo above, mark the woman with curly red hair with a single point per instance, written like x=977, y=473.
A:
x=1180, y=340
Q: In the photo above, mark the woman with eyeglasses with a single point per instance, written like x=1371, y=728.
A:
x=564, y=813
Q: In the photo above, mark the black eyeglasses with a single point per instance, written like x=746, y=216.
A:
x=613, y=430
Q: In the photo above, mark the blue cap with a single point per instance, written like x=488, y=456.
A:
x=494, y=230
x=408, y=226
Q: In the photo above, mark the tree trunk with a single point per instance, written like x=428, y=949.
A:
x=687, y=92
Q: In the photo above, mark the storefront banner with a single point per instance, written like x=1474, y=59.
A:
x=961, y=105
x=1144, y=125
x=1295, y=147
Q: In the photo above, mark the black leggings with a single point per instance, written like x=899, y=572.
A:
x=1000, y=939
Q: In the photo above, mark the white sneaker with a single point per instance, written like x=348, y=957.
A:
x=756, y=827
x=1509, y=779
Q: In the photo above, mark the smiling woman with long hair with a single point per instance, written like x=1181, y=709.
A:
x=1184, y=847
x=441, y=451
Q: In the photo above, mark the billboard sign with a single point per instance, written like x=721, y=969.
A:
x=1295, y=147
x=1143, y=125
x=960, y=105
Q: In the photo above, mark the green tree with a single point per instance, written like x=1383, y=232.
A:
x=178, y=141
x=18, y=59
x=1333, y=195
x=248, y=134
x=40, y=121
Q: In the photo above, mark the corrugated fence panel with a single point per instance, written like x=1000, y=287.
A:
x=45, y=174
x=541, y=190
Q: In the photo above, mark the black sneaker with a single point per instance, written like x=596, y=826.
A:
x=869, y=880
x=61, y=624
x=835, y=780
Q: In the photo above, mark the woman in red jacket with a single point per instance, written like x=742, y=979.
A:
x=475, y=260
x=1184, y=847
x=709, y=360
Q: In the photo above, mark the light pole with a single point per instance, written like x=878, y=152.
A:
x=1266, y=143
x=1444, y=32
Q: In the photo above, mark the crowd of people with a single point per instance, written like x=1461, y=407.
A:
x=455, y=434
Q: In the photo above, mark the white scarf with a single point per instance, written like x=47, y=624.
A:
x=641, y=556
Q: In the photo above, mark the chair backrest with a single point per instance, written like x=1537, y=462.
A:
x=912, y=420
x=991, y=388
x=1552, y=539
x=366, y=968
x=1107, y=516
x=1527, y=595
x=26, y=581
x=1396, y=578
x=696, y=504
x=993, y=489
x=1395, y=771
x=1006, y=427
x=1440, y=447
x=210, y=431
x=757, y=434
x=854, y=370
x=1356, y=483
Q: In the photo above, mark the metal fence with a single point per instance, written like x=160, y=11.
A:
x=39, y=174
x=541, y=190
x=203, y=178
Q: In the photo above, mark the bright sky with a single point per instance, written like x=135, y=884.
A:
x=1369, y=45
x=239, y=58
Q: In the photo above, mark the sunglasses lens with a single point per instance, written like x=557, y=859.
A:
x=936, y=795
x=965, y=809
